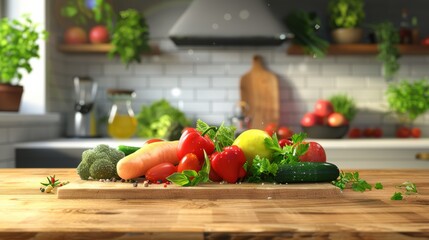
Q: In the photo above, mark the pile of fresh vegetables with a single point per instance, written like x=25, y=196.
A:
x=207, y=153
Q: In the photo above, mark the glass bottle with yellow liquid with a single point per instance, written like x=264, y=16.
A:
x=122, y=123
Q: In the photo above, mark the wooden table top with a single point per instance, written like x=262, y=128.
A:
x=26, y=213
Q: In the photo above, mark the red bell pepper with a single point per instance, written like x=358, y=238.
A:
x=192, y=141
x=228, y=164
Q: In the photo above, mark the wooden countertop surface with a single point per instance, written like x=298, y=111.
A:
x=26, y=213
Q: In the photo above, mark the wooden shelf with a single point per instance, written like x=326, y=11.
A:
x=361, y=49
x=98, y=48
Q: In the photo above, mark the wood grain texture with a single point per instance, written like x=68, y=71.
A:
x=26, y=213
x=259, y=89
x=99, y=48
x=116, y=190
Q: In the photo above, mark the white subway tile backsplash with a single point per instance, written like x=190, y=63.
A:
x=4, y=135
x=233, y=94
x=223, y=107
x=420, y=70
x=366, y=69
x=338, y=69
x=350, y=82
x=210, y=69
x=163, y=82
x=320, y=82
x=176, y=94
x=213, y=94
x=133, y=83
x=202, y=107
x=182, y=69
x=238, y=69
x=225, y=57
x=266, y=54
x=8, y=163
x=149, y=94
x=225, y=82
x=300, y=69
x=306, y=94
x=148, y=69
x=7, y=152
x=118, y=70
x=194, y=82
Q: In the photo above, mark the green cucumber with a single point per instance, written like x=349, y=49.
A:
x=127, y=150
x=302, y=172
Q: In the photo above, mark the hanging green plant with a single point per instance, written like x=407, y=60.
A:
x=408, y=100
x=304, y=25
x=388, y=37
x=130, y=36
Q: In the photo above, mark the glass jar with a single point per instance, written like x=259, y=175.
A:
x=122, y=123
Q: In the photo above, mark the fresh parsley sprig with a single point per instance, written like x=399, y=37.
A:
x=409, y=187
x=262, y=170
x=223, y=137
x=289, y=153
x=353, y=181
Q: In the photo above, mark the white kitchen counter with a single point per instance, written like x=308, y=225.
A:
x=346, y=153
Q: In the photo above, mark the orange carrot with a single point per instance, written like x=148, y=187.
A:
x=148, y=156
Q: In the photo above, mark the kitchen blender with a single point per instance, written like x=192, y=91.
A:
x=84, y=119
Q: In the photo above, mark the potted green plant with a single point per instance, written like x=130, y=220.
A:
x=130, y=36
x=345, y=18
x=387, y=39
x=18, y=45
x=408, y=100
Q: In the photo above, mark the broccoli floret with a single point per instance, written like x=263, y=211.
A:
x=99, y=162
x=102, y=169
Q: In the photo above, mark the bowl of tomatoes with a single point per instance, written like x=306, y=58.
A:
x=323, y=131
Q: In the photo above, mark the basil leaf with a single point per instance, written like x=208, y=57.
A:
x=179, y=179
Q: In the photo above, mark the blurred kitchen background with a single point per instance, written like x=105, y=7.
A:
x=204, y=81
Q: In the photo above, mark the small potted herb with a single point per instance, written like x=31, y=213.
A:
x=345, y=18
x=18, y=45
x=345, y=105
x=130, y=36
x=408, y=100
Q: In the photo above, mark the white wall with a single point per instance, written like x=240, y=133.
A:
x=34, y=97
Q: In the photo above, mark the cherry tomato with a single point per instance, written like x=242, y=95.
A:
x=403, y=132
x=416, y=132
x=271, y=128
x=355, y=133
x=160, y=172
x=284, y=132
x=153, y=140
x=283, y=142
x=315, y=153
x=189, y=162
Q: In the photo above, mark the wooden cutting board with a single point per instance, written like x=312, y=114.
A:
x=116, y=190
x=259, y=88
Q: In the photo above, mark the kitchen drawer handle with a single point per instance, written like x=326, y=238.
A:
x=422, y=156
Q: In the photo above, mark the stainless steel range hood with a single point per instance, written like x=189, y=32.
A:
x=228, y=23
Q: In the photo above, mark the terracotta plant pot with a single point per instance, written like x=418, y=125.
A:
x=347, y=35
x=10, y=97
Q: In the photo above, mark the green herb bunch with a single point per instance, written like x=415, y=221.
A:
x=345, y=105
x=304, y=26
x=353, y=181
x=130, y=36
x=81, y=14
x=408, y=100
x=387, y=38
x=346, y=13
x=18, y=45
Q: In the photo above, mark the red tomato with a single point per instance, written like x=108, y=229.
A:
x=284, y=133
x=323, y=108
x=99, y=34
x=416, y=132
x=403, y=132
x=336, y=119
x=271, y=128
x=367, y=132
x=160, y=172
x=283, y=142
x=75, y=35
x=153, y=140
x=189, y=162
x=377, y=132
x=355, y=133
x=309, y=119
x=315, y=153
x=425, y=41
